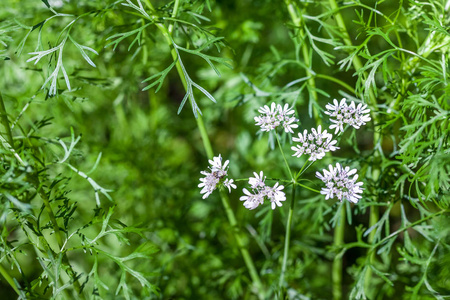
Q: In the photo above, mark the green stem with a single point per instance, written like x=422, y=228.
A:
x=167, y=33
x=373, y=219
x=287, y=238
x=407, y=227
x=5, y=122
x=58, y=234
x=337, y=262
x=35, y=180
x=9, y=279
x=301, y=170
x=335, y=80
x=284, y=157
x=258, y=286
x=357, y=64
x=295, y=15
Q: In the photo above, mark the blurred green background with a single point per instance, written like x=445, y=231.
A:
x=152, y=156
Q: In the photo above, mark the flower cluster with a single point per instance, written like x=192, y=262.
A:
x=315, y=144
x=347, y=114
x=276, y=115
x=339, y=183
x=260, y=191
x=216, y=177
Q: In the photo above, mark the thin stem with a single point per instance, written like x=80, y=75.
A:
x=167, y=33
x=35, y=179
x=301, y=170
x=5, y=122
x=9, y=279
x=295, y=15
x=58, y=234
x=337, y=262
x=174, y=15
x=308, y=188
x=336, y=80
x=373, y=219
x=287, y=238
x=284, y=157
x=241, y=245
x=397, y=232
x=374, y=210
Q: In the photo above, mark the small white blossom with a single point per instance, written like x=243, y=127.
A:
x=260, y=191
x=276, y=115
x=208, y=184
x=275, y=195
x=347, y=114
x=252, y=200
x=216, y=177
x=340, y=183
x=216, y=164
x=314, y=144
x=257, y=181
x=229, y=183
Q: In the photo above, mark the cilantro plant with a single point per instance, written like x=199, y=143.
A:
x=224, y=149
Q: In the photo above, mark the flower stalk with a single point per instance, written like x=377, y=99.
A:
x=287, y=238
x=167, y=33
x=35, y=180
x=337, y=262
x=374, y=211
x=295, y=14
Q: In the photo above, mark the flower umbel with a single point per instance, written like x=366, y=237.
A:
x=276, y=115
x=216, y=177
x=347, y=114
x=260, y=191
x=339, y=183
x=314, y=144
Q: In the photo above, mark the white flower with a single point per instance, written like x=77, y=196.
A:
x=340, y=183
x=208, y=184
x=252, y=201
x=276, y=115
x=216, y=177
x=314, y=144
x=257, y=181
x=216, y=164
x=229, y=184
x=275, y=195
x=260, y=191
x=347, y=114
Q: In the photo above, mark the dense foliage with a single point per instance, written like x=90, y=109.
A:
x=110, y=109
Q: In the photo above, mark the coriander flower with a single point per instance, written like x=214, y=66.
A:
x=314, y=144
x=347, y=114
x=260, y=191
x=216, y=177
x=275, y=195
x=229, y=184
x=340, y=183
x=276, y=115
x=252, y=200
x=257, y=181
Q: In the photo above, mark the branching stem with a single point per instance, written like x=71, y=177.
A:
x=167, y=33
x=374, y=210
x=295, y=14
x=45, y=199
x=287, y=238
x=337, y=262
